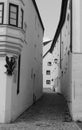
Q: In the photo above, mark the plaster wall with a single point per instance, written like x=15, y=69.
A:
x=77, y=86
x=31, y=63
x=54, y=58
x=26, y=43
x=46, y=67
x=71, y=63
x=76, y=25
x=2, y=89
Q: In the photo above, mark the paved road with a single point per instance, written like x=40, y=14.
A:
x=49, y=113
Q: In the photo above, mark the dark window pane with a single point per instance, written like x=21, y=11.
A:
x=48, y=82
x=13, y=14
x=49, y=63
x=13, y=8
x=12, y=21
x=48, y=72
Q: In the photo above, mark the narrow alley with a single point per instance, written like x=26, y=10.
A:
x=49, y=113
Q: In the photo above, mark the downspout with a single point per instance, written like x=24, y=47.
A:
x=60, y=25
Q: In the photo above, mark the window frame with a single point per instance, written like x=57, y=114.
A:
x=22, y=18
x=19, y=68
x=48, y=72
x=49, y=63
x=48, y=82
x=1, y=3
x=17, y=10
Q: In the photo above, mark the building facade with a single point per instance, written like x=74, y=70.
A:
x=56, y=65
x=70, y=75
x=50, y=66
x=47, y=66
x=21, y=38
x=71, y=58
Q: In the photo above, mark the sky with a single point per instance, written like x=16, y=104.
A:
x=50, y=14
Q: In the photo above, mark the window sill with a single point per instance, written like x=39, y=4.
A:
x=13, y=27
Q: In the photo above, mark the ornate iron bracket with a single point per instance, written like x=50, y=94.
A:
x=10, y=65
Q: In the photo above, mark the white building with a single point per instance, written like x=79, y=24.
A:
x=50, y=66
x=71, y=64
x=70, y=29
x=21, y=38
x=47, y=66
x=56, y=65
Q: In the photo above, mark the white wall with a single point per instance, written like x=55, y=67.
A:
x=2, y=89
x=46, y=59
x=54, y=68
x=71, y=79
x=31, y=63
x=76, y=25
x=56, y=64
x=66, y=60
x=65, y=57
x=28, y=44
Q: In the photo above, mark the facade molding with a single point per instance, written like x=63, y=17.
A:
x=9, y=46
x=5, y=51
x=12, y=37
x=11, y=43
x=13, y=27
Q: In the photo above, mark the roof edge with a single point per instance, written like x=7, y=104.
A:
x=47, y=42
x=61, y=23
x=38, y=14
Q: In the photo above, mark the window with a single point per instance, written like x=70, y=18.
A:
x=68, y=17
x=49, y=63
x=1, y=12
x=48, y=82
x=22, y=17
x=48, y=72
x=13, y=15
x=18, y=86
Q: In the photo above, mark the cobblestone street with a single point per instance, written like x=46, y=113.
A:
x=49, y=113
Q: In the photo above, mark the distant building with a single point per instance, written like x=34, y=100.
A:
x=50, y=66
x=47, y=66
x=21, y=38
